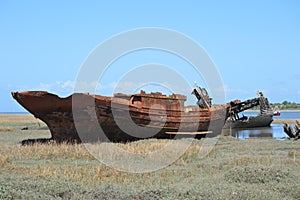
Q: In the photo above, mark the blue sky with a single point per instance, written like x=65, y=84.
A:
x=254, y=44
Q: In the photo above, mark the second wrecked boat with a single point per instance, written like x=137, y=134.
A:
x=263, y=119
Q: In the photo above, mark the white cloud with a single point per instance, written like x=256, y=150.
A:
x=56, y=85
x=68, y=87
x=68, y=84
x=130, y=87
x=84, y=86
x=228, y=89
x=107, y=86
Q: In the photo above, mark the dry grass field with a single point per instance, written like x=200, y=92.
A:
x=233, y=169
x=281, y=121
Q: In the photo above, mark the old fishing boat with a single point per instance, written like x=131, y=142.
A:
x=263, y=119
x=91, y=118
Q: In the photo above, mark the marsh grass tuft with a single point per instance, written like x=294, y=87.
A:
x=247, y=160
x=257, y=174
x=6, y=129
x=4, y=160
x=45, y=151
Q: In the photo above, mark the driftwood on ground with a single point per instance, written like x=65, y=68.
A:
x=292, y=130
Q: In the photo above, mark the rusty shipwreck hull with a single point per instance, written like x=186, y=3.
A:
x=91, y=118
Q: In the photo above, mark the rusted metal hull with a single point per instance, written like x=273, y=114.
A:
x=92, y=118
